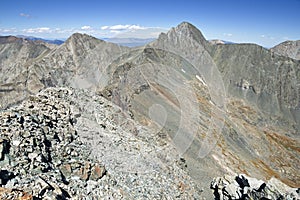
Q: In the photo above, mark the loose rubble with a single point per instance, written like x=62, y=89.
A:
x=70, y=144
x=243, y=187
x=41, y=152
x=46, y=153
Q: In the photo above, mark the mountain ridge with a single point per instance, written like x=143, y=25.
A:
x=288, y=48
x=225, y=108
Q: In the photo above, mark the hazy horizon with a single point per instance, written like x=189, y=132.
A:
x=255, y=21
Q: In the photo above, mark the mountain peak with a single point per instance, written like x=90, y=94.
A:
x=288, y=48
x=184, y=32
x=80, y=37
x=186, y=25
x=190, y=30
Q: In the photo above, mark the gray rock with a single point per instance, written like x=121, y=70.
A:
x=288, y=48
x=243, y=187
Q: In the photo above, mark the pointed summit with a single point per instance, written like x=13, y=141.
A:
x=185, y=34
x=81, y=38
x=191, y=31
x=80, y=35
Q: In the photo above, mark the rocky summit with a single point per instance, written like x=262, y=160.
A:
x=288, y=48
x=178, y=118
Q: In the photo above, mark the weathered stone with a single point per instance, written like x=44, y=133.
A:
x=14, y=194
x=84, y=171
x=66, y=170
x=32, y=156
x=243, y=187
x=16, y=142
x=97, y=172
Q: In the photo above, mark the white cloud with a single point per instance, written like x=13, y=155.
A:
x=119, y=31
x=121, y=27
x=38, y=30
x=8, y=30
x=143, y=33
x=25, y=15
x=132, y=30
x=86, y=28
x=104, y=27
x=115, y=31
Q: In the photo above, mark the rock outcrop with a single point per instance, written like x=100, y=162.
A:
x=243, y=187
x=288, y=48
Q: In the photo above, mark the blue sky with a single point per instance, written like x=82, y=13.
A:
x=266, y=22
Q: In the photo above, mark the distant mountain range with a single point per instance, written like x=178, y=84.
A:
x=49, y=41
x=129, y=42
x=218, y=41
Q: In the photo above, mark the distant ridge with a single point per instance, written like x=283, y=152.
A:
x=218, y=41
x=9, y=39
x=129, y=42
x=49, y=41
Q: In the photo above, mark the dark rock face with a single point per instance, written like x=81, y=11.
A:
x=288, y=48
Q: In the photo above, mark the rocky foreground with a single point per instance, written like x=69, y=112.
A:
x=43, y=156
x=68, y=144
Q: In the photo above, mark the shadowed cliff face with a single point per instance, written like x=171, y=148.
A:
x=225, y=108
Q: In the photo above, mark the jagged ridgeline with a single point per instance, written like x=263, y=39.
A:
x=206, y=109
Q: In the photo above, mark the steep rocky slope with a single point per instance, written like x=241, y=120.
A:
x=16, y=55
x=259, y=76
x=288, y=48
x=178, y=103
x=227, y=108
